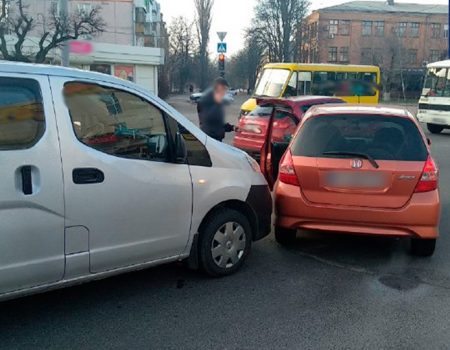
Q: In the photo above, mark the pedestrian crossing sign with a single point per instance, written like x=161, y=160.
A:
x=221, y=47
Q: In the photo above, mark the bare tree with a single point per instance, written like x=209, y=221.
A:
x=181, y=51
x=17, y=25
x=203, y=21
x=278, y=24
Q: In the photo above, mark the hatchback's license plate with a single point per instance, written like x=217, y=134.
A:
x=344, y=179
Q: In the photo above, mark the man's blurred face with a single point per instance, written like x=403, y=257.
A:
x=219, y=92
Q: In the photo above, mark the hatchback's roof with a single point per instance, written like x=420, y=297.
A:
x=297, y=100
x=359, y=109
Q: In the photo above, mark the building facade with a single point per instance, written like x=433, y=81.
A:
x=400, y=38
x=121, y=49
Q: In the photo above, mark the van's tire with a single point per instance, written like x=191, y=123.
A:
x=285, y=236
x=434, y=128
x=423, y=247
x=224, y=243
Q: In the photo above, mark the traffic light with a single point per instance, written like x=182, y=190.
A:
x=221, y=63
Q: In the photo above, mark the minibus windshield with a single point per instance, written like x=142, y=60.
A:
x=272, y=82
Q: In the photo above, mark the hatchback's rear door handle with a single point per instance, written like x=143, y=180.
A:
x=82, y=176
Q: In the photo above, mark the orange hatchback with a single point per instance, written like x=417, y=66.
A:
x=355, y=169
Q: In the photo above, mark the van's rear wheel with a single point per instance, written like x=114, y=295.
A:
x=285, y=236
x=225, y=242
x=434, y=128
x=423, y=247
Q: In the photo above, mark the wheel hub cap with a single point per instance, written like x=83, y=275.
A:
x=228, y=245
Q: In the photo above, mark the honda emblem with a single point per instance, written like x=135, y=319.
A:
x=357, y=163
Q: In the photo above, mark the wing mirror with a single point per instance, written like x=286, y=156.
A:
x=180, y=149
x=428, y=141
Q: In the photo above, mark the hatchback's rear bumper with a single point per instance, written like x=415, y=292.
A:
x=418, y=218
x=251, y=146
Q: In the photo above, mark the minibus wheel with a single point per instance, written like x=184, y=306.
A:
x=224, y=242
x=434, y=129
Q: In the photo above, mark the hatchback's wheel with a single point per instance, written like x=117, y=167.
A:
x=225, y=241
x=434, y=129
x=423, y=247
x=285, y=236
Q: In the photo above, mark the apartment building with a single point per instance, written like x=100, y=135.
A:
x=398, y=37
x=128, y=46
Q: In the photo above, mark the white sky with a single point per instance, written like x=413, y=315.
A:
x=233, y=16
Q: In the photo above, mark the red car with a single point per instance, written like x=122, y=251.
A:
x=252, y=128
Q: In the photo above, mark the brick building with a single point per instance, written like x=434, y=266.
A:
x=399, y=37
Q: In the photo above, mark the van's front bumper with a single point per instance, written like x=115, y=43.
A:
x=419, y=218
x=434, y=117
x=260, y=200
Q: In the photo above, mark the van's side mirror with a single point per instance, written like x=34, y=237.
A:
x=428, y=141
x=180, y=149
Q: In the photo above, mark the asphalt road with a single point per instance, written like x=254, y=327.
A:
x=326, y=292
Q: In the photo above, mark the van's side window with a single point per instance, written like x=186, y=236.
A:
x=196, y=152
x=22, y=121
x=116, y=122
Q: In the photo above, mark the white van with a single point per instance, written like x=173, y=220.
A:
x=100, y=177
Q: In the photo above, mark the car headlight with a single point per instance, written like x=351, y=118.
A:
x=253, y=163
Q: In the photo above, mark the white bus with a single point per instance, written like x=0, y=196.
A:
x=434, y=103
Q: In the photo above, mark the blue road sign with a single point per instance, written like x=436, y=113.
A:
x=221, y=47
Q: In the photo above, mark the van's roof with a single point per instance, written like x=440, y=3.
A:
x=439, y=64
x=45, y=69
x=359, y=109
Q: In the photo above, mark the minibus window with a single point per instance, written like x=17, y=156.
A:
x=272, y=82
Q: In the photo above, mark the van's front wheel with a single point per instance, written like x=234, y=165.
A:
x=434, y=128
x=225, y=242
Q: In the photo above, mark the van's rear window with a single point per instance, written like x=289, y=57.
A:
x=381, y=137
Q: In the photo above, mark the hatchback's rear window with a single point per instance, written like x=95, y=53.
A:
x=260, y=112
x=380, y=137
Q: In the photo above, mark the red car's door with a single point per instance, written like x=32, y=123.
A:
x=282, y=125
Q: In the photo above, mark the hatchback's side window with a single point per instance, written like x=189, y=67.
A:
x=116, y=122
x=22, y=121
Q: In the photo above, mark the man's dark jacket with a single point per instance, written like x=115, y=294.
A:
x=212, y=117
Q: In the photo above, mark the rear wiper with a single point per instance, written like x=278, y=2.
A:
x=353, y=154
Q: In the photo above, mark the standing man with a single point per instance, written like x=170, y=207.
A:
x=211, y=111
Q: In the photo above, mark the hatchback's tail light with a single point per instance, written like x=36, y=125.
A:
x=286, y=172
x=429, y=178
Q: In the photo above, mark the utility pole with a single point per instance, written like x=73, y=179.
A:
x=64, y=13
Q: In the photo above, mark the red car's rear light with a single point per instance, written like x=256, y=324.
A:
x=429, y=178
x=286, y=172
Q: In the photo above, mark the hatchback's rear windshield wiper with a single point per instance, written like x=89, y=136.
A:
x=353, y=154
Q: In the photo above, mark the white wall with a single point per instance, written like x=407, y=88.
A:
x=147, y=76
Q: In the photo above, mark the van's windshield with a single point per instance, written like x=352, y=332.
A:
x=272, y=82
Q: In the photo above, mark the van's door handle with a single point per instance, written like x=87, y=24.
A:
x=27, y=183
x=81, y=176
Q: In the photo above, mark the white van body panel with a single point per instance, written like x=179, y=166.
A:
x=32, y=226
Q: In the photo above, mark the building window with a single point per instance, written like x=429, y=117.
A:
x=435, y=55
x=401, y=29
x=445, y=30
x=333, y=28
x=379, y=28
x=412, y=56
x=101, y=68
x=332, y=54
x=435, y=30
x=84, y=9
x=344, y=27
x=366, y=56
x=414, y=29
x=378, y=56
x=367, y=28
x=343, y=54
